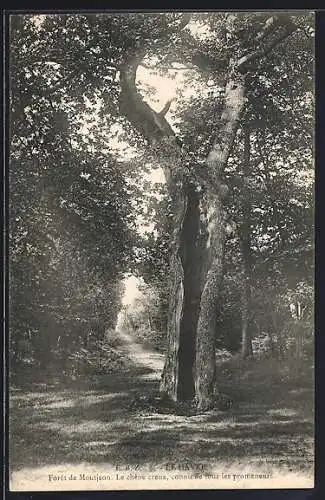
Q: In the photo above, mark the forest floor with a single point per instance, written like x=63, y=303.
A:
x=87, y=433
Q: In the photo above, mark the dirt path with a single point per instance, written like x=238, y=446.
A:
x=142, y=356
x=89, y=427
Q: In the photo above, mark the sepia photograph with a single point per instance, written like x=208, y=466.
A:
x=161, y=250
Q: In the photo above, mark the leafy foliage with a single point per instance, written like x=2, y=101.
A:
x=74, y=206
x=71, y=217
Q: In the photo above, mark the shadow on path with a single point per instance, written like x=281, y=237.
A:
x=92, y=421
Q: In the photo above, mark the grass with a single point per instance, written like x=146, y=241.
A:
x=93, y=421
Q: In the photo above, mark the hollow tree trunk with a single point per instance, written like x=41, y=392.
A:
x=169, y=379
x=197, y=269
x=194, y=252
x=184, y=299
x=177, y=380
x=198, y=225
x=198, y=230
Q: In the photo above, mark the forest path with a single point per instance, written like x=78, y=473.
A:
x=140, y=355
x=89, y=425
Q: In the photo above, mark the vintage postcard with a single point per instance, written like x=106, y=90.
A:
x=161, y=249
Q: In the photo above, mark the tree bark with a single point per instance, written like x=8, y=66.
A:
x=216, y=196
x=184, y=300
x=177, y=380
x=197, y=240
x=245, y=236
x=212, y=273
x=246, y=343
x=170, y=376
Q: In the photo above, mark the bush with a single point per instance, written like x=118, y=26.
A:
x=100, y=358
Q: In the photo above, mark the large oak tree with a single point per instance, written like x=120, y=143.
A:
x=97, y=57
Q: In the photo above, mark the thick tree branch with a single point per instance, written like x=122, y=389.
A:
x=229, y=121
x=270, y=25
x=235, y=97
x=166, y=108
x=151, y=124
x=259, y=53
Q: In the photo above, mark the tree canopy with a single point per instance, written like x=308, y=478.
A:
x=235, y=145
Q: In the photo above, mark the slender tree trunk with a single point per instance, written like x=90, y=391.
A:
x=245, y=234
x=246, y=343
x=299, y=336
x=276, y=332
